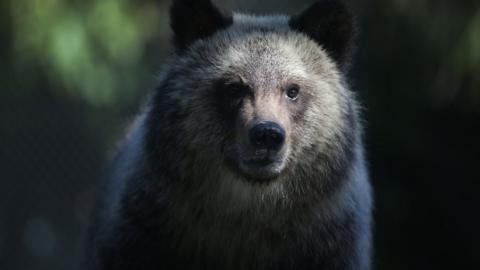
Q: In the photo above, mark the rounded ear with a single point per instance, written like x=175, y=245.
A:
x=195, y=19
x=331, y=24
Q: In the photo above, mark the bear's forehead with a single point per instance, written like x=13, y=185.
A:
x=263, y=58
x=261, y=50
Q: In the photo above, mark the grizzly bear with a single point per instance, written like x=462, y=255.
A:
x=249, y=153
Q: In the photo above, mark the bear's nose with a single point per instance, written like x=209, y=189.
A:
x=267, y=135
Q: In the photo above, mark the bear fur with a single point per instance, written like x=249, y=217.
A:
x=183, y=193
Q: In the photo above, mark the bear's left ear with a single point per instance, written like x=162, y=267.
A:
x=194, y=19
x=331, y=24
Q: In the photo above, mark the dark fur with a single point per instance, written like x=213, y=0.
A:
x=165, y=205
x=335, y=31
x=194, y=19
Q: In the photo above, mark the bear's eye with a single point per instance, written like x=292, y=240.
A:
x=292, y=91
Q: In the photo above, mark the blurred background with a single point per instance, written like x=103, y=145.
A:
x=74, y=73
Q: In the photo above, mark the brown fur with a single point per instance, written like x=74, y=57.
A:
x=182, y=195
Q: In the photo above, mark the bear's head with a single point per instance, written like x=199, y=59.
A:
x=265, y=96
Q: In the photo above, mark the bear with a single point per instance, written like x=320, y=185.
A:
x=248, y=154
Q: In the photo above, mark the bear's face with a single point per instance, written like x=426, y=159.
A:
x=259, y=96
x=260, y=100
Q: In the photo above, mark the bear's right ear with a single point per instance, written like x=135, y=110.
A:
x=195, y=19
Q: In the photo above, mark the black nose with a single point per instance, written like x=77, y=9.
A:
x=267, y=135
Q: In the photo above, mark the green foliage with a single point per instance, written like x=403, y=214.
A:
x=92, y=50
